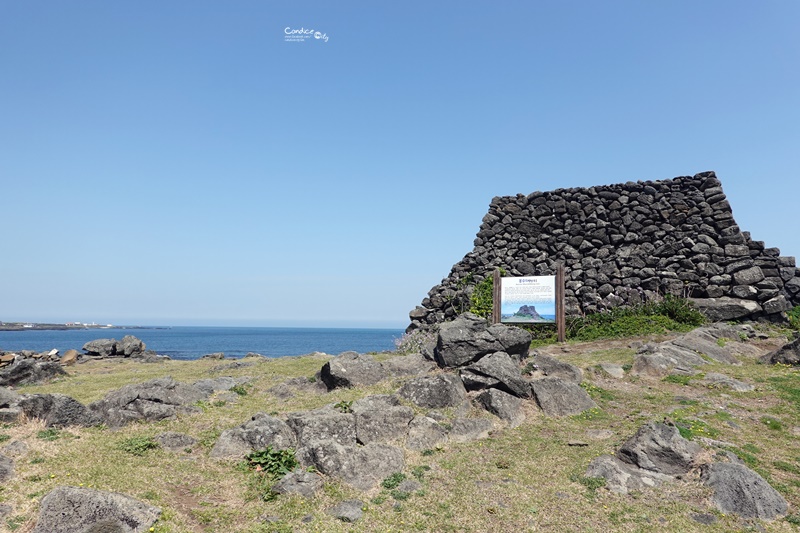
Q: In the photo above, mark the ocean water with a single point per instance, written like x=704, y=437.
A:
x=194, y=342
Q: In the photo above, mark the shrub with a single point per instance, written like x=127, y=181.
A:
x=276, y=463
x=393, y=481
x=794, y=317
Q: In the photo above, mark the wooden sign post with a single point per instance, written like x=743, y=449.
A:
x=530, y=300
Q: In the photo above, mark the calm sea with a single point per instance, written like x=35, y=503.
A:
x=194, y=342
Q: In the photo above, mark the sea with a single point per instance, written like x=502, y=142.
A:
x=191, y=342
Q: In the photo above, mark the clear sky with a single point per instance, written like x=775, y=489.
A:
x=183, y=163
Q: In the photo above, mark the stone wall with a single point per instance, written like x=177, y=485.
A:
x=621, y=244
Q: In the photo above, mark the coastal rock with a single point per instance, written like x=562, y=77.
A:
x=323, y=425
x=6, y=468
x=503, y=405
x=741, y=491
x=788, y=354
x=73, y=509
x=622, y=477
x=347, y=511
x=129, y=346
x=502, y=372
x=150, y=401
x=469, y=337
x=300, y=482
x=29, y=372
x=70, y=357
x=172, y=441
x=351, y=369
x=553, y=368
x=425, y=433
x=434, y=392
x=659, y=447
x=469, y=429
x=559, y=397
x=382, y=425
x=58, y=410
x=362, y=467
x=260, y=432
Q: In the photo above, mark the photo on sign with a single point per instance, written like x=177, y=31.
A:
x=528, y=300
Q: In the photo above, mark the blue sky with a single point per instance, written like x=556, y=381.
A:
x=182, y=163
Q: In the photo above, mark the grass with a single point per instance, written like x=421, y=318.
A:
x=526, y=478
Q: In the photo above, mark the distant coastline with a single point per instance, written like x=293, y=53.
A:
x=28, y=326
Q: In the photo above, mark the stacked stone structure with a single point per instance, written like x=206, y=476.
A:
x=622, y=244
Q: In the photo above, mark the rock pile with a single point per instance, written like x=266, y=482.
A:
x=25, y=367
x=621, y=244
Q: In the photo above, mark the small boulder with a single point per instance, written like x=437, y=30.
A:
x=469, y=337
x=153, y=400
x=553, y=368
x=58, y=410
x=725, y=309
x=558, y=397
x=260, y=432
x=622, y=477
x=503, y=405
x=425, y=433
x=172, y=441
x=382, y=425
x=362, y=467
x=351, y=369
x=500, y=370
x=434, y=392
x=714, y=380
x=659, y=447
x=469, y=429
x=101, y=347
x=6, y=468
x=788, y=354
x=739, y=490
x=71, y=509
x=70, y=357
x=347, y=511
x=300, y=482
x=323, y=424
x=29, y=372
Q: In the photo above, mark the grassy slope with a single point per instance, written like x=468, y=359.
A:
x=524, y=479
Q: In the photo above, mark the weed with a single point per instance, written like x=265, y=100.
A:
x=793, y=519
x=276, y=463
x=37, y=460
x=692, y=427
x=721, y=342
x=4, y=437
x=771, y=423
x=344, y=406
x=218, y=403
x=786, y=467
x=393, y=481
x=400, y=495
x=49, y=434
x=596, y=392
x=419, y=471
x=503, y=464
x=138, y=445
x=15, y=523
x=794, y=317
x=589, y=414
x=591, y=483
x=379, y=499
x=241, y=390
x=680, y=379
x=208, y=438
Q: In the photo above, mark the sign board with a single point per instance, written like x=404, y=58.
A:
x=528, y=300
